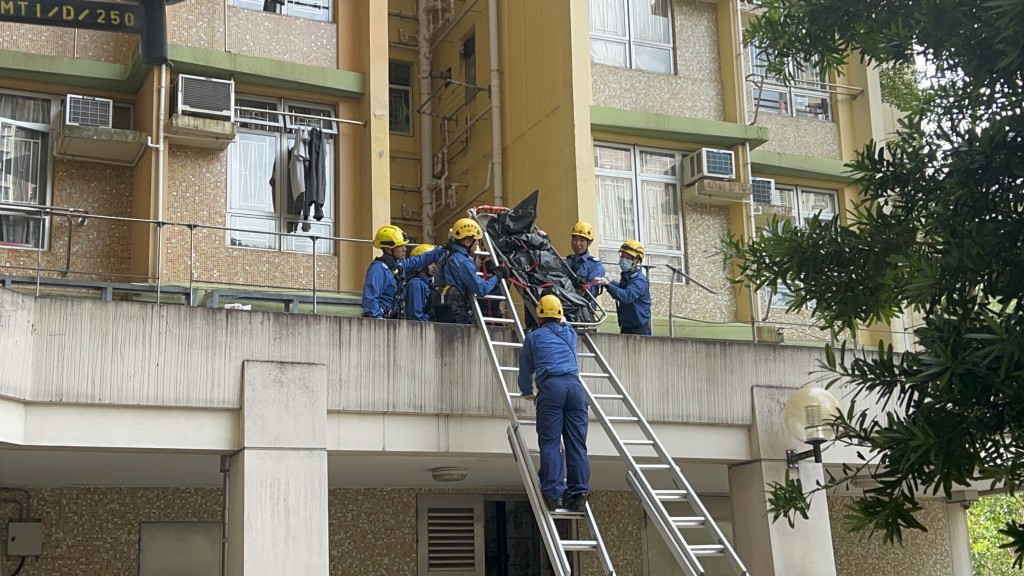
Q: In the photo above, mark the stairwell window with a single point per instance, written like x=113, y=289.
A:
x=805, y=203
x=807, y=97
x=25, y=167
x=400, y=97
x=260, y=177
x=638, y=197
x=312, y=9
x=632, y=34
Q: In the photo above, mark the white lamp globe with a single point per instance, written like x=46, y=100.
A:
x=807, y=413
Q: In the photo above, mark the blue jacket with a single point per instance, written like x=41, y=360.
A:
x=587, y=267
x=458, y=270
x=417, y=293
x=632, y=295
x=549, y=350
x=382, y=285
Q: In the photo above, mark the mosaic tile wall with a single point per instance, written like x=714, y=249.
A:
x=100, y=247
x=109, y=47
x=196, y=193
x=372, y=532
x=922, y=553
x=800, y=136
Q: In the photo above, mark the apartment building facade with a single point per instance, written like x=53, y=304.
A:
x=148, y=437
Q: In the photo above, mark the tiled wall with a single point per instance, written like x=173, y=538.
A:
x=99, y=248
x=112, y=47
x=923, y=553
x=695, y=91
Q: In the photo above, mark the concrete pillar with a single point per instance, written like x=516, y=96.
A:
x=277, y=486
x=775, y=549
x=959, y=539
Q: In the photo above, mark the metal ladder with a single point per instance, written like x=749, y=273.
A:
x=654, y=478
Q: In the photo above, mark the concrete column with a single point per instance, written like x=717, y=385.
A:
x=775, y=549
x=959, y=539
x=277, y=487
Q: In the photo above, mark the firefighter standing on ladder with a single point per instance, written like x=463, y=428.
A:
x=549, y=353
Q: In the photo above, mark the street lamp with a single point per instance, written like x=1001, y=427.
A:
x=807, y=413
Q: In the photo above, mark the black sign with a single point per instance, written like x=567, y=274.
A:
x=109, y=16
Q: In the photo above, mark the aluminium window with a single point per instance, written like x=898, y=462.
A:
x=259, y=196
x=311, y=9
x=805, y=203
x=25, y=167
x=632, y=34
x=400, y=97
x=807, y=97
x=638, y=198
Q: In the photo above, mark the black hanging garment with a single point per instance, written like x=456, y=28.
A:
x=316, y=176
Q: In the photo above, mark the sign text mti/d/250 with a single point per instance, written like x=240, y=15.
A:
x=113, y=17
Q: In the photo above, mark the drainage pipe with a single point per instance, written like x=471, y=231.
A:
x=426, y=130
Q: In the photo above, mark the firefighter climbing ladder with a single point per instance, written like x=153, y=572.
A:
x=651, y=473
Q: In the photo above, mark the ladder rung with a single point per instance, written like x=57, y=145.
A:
x=579, y=545
x=607, y=396
x=527, y=422
x=491, y=297
x=594, y=375
x=638, y=442
x=586, y=355
x=508, y=344
x=493, y=320
x=689, y=521
x=653, y=466
x=509, y=368
x=676, y=495
x=621, y=418
x=707, y=549
x=561, y=514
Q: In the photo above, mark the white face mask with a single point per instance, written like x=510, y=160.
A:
x=625, y=264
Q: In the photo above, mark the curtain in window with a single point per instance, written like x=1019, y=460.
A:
x=608, y=17
x=661, y=215
x=617, y=216
x=25, y=109
x=251, y=177
x=650, y=21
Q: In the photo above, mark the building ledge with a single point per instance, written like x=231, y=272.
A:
x=692, y=130
x=768, y=163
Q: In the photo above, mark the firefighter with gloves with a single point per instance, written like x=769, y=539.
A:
x=455, y=281
x=631, y=292
x=386, y=277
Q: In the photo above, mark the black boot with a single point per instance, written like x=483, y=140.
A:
x=578, y=502
x=553, y=503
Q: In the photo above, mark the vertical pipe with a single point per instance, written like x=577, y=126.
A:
x=496, y=161
x=314, y=239
x=161, y=118
x=426, y=131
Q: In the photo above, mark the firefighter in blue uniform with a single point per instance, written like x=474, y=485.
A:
x=632, y=292
x=455, y=281
x=386, y=276
x=586, y=267
x=417, y=291
x=549, y=357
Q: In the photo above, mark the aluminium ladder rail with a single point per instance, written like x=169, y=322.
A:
x=647, y=480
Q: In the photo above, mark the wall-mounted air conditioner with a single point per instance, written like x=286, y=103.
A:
x=88, y=111
x=206, y=97
x=708, y=163
x=763, y=191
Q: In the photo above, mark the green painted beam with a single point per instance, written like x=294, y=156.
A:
x=767, y=163
x=677, y=128
x=126, y=78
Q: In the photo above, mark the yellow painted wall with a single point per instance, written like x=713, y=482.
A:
x=147, y=119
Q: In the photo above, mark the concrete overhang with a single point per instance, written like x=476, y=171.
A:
x=691, y=130
x=768, y=163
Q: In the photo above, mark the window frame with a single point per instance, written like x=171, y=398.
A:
x=636, y=178
x=631, y=43
x=287, y=8
x=280, y=132
x=807, y=86
x=45, y=199
x=393, y=89
x=781, y=296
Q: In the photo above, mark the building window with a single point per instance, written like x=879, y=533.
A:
x=632, y=34
x=25, y=125
x=400, y=97
x=260, y=177
x=469, y=67
x=807, y=97
x=804, y=203
x=638, y=197
x=312, y=9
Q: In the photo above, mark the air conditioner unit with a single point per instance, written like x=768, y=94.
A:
x=708, y=163
x=88, y=111
x=209, y=97
x=763, y=190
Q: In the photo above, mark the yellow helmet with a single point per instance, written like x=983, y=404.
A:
x=550, y=306
x=584, y=230
x=389, y=237
x=466, y=228
x=422, y=249
x=633, y=248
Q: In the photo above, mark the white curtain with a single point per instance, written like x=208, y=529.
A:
x=651, y=21
x=617, y=216
x=661, y=213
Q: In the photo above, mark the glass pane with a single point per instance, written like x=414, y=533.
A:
x=812, y=203
x=20, y=231
x=399, y=108
x=782, y=297
x=659, y=270
x=606, y=158
x=608, y=52
x=247, y=232
x=811, y=106
x=400, y=74
x=251, y=160
x=608, y=18
x=23, y=166
x=657, y=164
x=775, y=101
x=616, y=208
x=787, y=197
x=251, y=119
x=250, y=4
x=650, y=59
x=25, y=108
x=312, y=9
x=651, y=21
x=301, y=242
x=661, y=215
x=292, y=122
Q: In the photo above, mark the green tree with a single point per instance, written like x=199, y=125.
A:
x=985, y=518
x=939, y=230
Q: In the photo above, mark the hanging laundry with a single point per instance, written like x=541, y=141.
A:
x=316, y=176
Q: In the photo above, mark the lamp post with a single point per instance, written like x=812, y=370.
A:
x=807, y=413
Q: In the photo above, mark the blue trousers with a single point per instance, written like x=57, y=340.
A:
x=562, y=411
x=644, y=330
